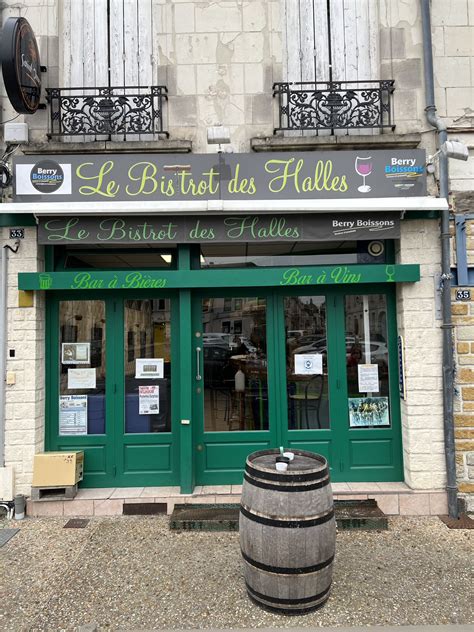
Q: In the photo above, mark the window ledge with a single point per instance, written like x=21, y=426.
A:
x=105, y=147
x=311, y=143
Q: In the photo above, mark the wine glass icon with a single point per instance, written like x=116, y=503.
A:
x=363, y=167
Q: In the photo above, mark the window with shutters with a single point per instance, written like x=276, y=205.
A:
x=108, y=43
x=108, y=52
x=331, y=40
x=335, y=45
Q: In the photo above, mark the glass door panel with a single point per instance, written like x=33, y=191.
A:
x=306, y=363
x=367, y=361
x=82, y=368
x=147, y=361
x=235, y=364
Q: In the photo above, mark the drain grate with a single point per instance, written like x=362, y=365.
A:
x=350, y=514
x=6, y=535
x=144, y=509
x=76, y=523
x=463, y=522
x=220, y=517
x=359, y=514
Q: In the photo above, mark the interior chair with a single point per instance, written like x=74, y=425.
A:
x=313, y=393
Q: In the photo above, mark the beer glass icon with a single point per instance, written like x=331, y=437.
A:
x=45, y=281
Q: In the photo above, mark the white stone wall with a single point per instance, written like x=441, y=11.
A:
x=422, y=411
x=24, y=410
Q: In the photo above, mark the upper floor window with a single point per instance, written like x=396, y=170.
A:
x=109, y=83
x=331, y=40
x=331, y=69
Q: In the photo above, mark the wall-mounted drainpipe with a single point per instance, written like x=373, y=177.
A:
x=3, y=342
x=3, y=349
x=447, y=326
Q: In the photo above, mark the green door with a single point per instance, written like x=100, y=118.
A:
x=112, y=388
x=314, y=370
x=234, y=382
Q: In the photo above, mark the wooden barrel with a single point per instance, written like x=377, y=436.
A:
x=287, y=532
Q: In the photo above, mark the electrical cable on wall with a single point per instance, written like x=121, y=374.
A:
x=5, y=171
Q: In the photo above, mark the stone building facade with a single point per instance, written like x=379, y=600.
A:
x=219, y=61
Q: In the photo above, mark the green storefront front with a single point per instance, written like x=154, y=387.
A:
x=178, y=344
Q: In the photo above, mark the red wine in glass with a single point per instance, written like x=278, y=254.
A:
x=363, y=167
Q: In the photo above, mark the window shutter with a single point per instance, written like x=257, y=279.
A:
x=350, y=41
x=84, y=43
x=354, y=40
x=87, y=29
x=131, y=42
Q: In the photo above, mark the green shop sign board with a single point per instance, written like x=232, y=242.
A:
x=258, y=176
x=218, y=229
x=270, y=277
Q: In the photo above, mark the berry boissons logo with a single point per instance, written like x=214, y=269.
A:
x=47, y=176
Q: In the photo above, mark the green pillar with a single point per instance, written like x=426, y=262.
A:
x=185, y=383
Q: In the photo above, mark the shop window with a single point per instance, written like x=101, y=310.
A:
x=367, y=361
x=113, y=258
x=306, y=363
x=147, y=376
x=256, y=255
x=82, y=336
x=235, y=366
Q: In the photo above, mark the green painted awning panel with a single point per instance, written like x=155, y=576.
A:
x=171, y=279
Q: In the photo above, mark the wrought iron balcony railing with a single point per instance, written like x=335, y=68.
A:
x=331, y=105
x=108, y=112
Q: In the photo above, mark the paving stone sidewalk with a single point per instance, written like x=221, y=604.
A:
x=132, y=573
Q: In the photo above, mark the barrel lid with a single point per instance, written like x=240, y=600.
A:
x=304, y=462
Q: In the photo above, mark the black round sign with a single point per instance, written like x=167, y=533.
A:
x=21, y=66
x=46, y=176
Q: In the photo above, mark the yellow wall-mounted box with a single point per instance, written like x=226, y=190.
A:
x=54, y=469
x=26, y=298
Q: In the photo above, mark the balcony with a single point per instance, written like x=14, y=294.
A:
x=334, y=105
x=122, y=113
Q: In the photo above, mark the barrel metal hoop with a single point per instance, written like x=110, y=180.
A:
x=287, y=611
x=296, y=478
x=289, y=602
x=287, y=524
x=283, y=570
x=285, y=488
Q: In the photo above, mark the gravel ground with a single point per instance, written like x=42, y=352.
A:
x=129, y=573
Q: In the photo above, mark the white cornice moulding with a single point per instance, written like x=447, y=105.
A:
x=208, y=207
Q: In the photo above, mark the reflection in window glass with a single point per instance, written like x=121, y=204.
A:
x=367, y=360
x=235, y=364
x=147, y=384
x=82, y=368
x=258, y=255
x=306, y=362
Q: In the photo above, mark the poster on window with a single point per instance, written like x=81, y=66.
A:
x=149, y=400
x=368, y=412
x=368, y=375
x=81, y=378
x=149, y=368
x=76, y=353
x=73, y=415
x=308, y=364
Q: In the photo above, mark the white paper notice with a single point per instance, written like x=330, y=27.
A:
x=149, y=400
x=149, y=368
x=81, y=378
x=368, y=378
x=73, y=415
x=76, y=353
x=308, y=364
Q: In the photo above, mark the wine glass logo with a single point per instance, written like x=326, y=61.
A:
x=363, y=167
